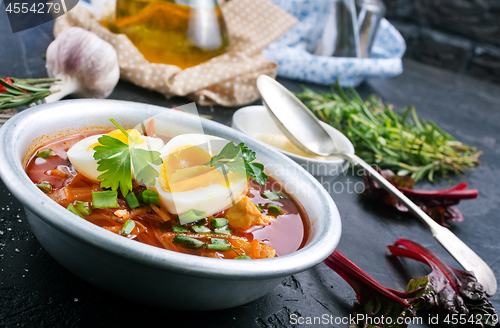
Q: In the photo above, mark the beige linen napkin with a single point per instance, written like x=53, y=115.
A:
x=227, y=80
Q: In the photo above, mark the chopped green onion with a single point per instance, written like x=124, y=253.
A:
x=132, y=200
x=218, y=241
x=273, y=208
x=274, y=195
x=73, y=210
x=152, y=197
x=44, y=186
x=192, y=216
x=242, y=257
x=259, y=207
x=128, y=226
x=46, y=153
x=83, y=207
x=179, y=229
x=219, y=222
x=200, y=229
x=222, y=231
x=149, y=197
x=219, y=247
x=104, y=199
x=219, y=244
x=203, y=221
x=188, y=242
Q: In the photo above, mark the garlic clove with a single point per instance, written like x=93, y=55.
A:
x=86, y=64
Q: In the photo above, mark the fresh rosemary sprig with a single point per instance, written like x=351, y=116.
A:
x=399, y=141
x=16, y=92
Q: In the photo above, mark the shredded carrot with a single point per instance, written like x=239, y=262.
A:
x=115, y=229
x=37, y=172
x=122, y=214
x=255, y=249
x=138, y=211
x=163, y=215
x=236, y=244
x=139, y=227
x=84, y=193
x=151, y=128
x=60, y=195
x=160, y=238
x=57, y=173
x=266, y=219
x=168, y=240
x=77, y=179
x=103, y=217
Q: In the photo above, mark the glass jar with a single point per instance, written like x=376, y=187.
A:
x=184, y=33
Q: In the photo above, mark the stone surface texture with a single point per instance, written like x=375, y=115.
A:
x=459, y=35
x=35, y=291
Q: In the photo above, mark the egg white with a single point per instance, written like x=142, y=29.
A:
x=81, y=155
x=211, y=199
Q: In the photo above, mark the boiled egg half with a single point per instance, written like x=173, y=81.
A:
x=187, y=182
x=81, y=155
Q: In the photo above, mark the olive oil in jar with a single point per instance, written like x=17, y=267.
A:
x=184, y=33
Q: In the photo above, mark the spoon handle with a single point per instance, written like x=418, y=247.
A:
x=469, y=260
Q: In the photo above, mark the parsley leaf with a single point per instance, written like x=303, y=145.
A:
x=256, y=172
x=248, y=154
x=141, y=159
x=238, y=158
x=116, y=159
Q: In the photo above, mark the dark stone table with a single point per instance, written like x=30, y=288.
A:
x=35, y=291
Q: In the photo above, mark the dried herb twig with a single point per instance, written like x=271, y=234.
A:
x=16, y=92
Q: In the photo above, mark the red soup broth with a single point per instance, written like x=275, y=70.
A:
x=286, y=234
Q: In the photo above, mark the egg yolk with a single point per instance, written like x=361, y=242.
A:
x=186, y=169
x=118, y=134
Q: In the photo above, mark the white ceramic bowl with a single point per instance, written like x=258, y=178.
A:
x=256, y=120
x=140, y=271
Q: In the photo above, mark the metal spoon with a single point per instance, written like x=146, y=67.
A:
x=297, y=122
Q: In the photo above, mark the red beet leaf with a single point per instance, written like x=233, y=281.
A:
x=445, y=290
x=376, y=301
x=438, y=204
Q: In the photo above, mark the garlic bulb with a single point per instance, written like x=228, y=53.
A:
x=87, y=65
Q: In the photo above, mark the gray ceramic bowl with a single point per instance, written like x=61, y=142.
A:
x=139, y=271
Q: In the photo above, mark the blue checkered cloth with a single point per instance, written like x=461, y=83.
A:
x=293, y=50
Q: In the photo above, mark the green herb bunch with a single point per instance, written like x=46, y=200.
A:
x=399, y=141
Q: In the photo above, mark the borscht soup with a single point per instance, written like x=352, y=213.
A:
x=194, y=193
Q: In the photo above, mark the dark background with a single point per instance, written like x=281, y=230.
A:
x=35, y=291
x=459, y=35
